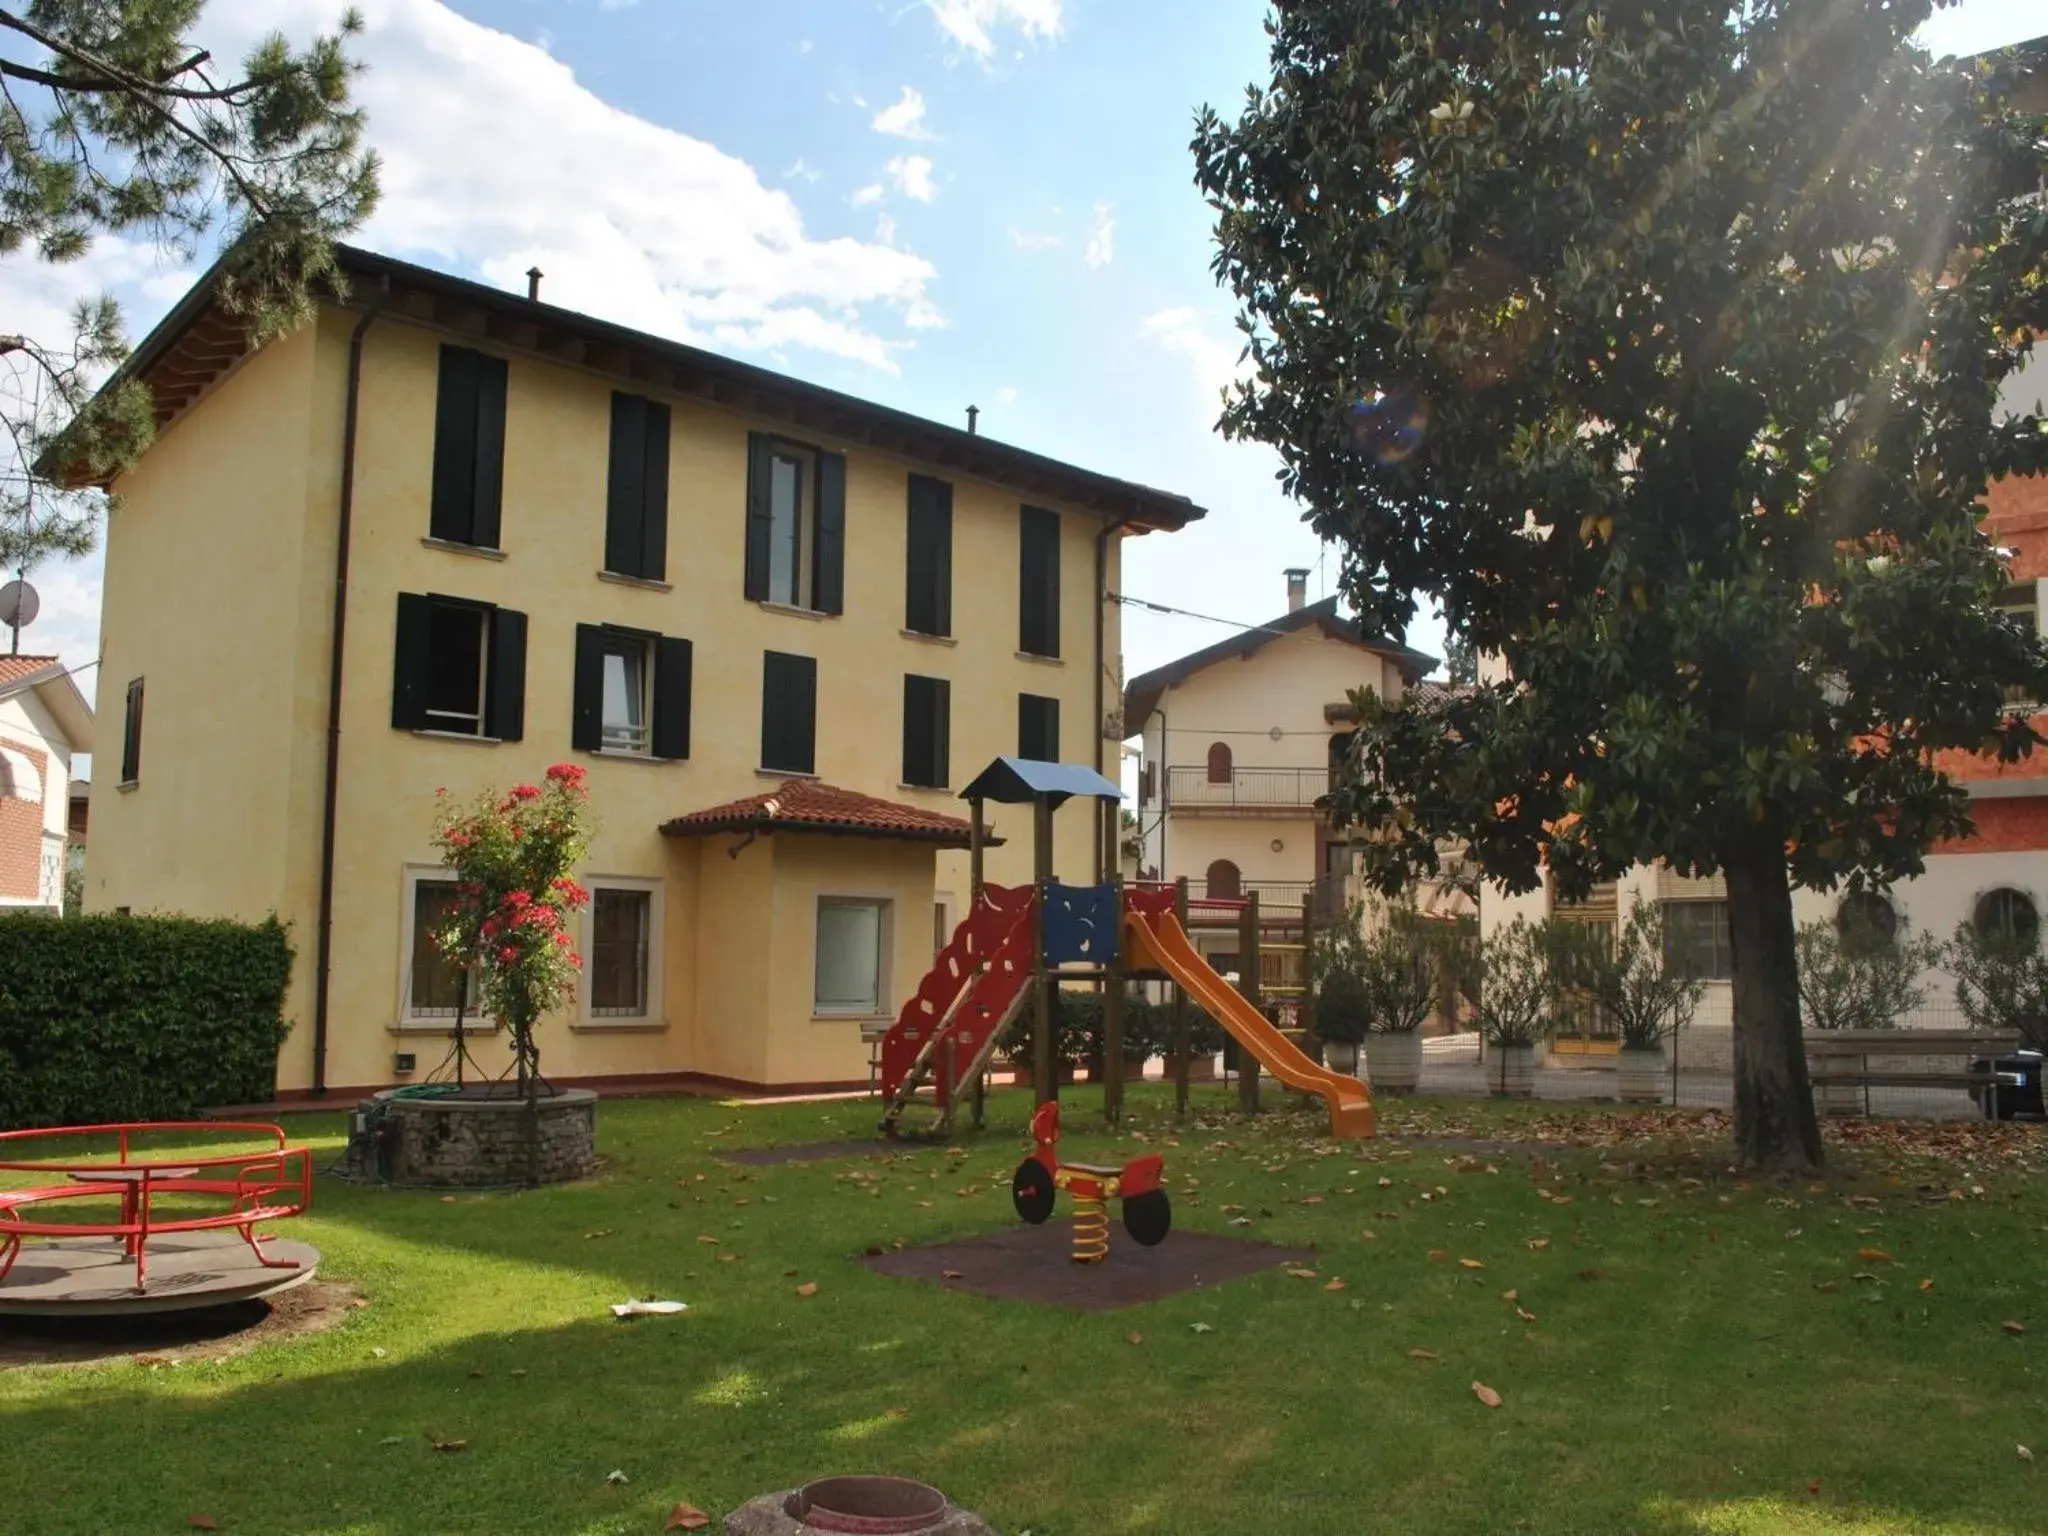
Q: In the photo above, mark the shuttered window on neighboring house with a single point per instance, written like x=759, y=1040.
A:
x=796, y=525
x=131, y=734
x=1038, y=727
x=789, y=712
x=459, y=666
x=927, y=725
x=928, y=564
x=469, y=448
x=636, y=493
x=631, y=692
x=1038, y=582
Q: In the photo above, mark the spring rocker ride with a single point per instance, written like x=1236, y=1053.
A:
x=1148, y=1214
x=1018, y=943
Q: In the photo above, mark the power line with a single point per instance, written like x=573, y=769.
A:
x=1189, y=613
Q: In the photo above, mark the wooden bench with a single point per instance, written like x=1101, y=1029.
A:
x=1843, y=1058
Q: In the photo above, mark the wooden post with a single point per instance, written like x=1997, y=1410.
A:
x=974, y=854
x=1113, y=1012
x=1310, y=1040
x=1180, y=1011
x=1248, y=988
x=1043, y=1026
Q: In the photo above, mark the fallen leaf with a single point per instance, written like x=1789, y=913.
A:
x=728, y=1258
x=1240, y=1221
x=1510, y=1296
x=1369, y=1235
x=1471, y=1264
x=707, y=1238
x=616, y=1478
x=1311, y=1199
x=2012, y=1327
x=1486, y=1394
x=1539, y=1243
x=808, y=1288
x=600, y=1232
x=202, y=1522
x=1926, y=1285
x=1301, y=1274
x=2025, y=1454
x=451, y=1445
x=950, y=1274
x=379, y=1353
x=1827, y=1285
x=1525, y=1314
x=1134, y=1338
x=1200, y=1328
x=1873, y=1256
x=1423, y=1354
x=447, y=1199
x=1437, y=1255
x=392, y=1440
x=686, y=1517
x=1336, y=1285
x=1386, y=1183
x=1814, y=1486
x=899, y=1414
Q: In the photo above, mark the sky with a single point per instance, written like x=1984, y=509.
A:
x=928, y=203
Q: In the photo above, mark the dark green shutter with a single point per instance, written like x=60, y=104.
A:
x=654, y=496
x=626, y=486
x=942, y=732
x=454, y=486
x=410, y=662
x=505, y=705
x=789, y=704
x=760, y=513
x=828, y=555
x=1038, y=727
x=672, y=662
x=1038, y=585
x=928, y=584
x=490, y=450
x=926, y=726
x=586, y=719
x=131, y=734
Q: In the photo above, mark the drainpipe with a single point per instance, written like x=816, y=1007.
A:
x=1105, y=810
x=324, y=943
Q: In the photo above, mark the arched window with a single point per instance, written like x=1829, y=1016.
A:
x=1223, y=881
x=2005, y=914
x=1867, y=915
x=1219, y=762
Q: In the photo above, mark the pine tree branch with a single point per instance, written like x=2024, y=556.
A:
x=110, y=78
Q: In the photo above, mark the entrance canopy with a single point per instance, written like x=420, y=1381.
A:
x=1024, y=780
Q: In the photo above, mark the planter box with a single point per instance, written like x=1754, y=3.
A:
x=1838, y=1099
x=1341, y=1056
x=1394, y=1061
x=1512, y=1072
x=1644, y=1072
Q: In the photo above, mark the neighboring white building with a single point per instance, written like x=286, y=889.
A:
x=44, y=721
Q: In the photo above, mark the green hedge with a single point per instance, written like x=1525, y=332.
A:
x=137, y=1018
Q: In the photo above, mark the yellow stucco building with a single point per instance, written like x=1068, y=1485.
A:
x=445, y=536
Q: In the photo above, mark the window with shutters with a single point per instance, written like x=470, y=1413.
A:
x=927, y=707
x=636, y=495
x=1038, y=727
x=928, y=594
x=1222, y=882
x=789, y=713
x=796, y=525
x=459, y=668
x=469, y=448
x=631, y=692
x=131, y=735
x=1038, y=583
x=1219, y=762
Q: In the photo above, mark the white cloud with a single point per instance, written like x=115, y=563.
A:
x=972, y=23
x=1101, y=248
x=1031, y=240
x=925, y=317
x=616, y=5
x=1215, y=361
x=905, y=119
x=885, y=229
x=871, y=193
x=801, y=171
x=1007, y=395
x=913, y=177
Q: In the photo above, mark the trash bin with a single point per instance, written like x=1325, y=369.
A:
x=2009, y=1087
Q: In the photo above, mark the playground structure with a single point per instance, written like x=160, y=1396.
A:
x=1148, y=1214
x=1017, y=944
x=219, y=1255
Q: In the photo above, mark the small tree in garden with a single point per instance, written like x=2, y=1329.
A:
x=508, y=927
x=1397, y=969
x=1631, y=980
x=2001, y=981
x=1515, y=988
x=1853, y=975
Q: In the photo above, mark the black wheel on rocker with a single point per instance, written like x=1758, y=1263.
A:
x=1148, y=1218
x=1032, y=1191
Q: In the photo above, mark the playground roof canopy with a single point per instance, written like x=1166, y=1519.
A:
x=1023, y=780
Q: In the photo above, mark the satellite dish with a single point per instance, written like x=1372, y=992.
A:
x=19, y=605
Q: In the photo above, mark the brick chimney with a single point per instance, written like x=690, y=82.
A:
x=1297, y=587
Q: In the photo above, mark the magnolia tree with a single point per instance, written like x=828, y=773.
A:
x=1659, y=346
x=509, y=924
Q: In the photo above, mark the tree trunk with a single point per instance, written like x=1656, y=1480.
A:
x=1775, y=1128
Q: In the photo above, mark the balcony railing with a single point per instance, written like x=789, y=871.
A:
x=1191, y=788
x=1278, y=898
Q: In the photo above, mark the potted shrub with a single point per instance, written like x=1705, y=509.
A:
x=1397, y=966
x=1631, y=981
x=2002, y=988
x=1343, y=1014
x=1855, y=975
x=1514, y=1008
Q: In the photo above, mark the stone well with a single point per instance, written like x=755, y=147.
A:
x=486, y=1137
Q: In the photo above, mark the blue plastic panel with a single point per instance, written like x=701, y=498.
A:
x=1080, y=924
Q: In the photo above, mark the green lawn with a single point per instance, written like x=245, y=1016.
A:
x=1700, y=1356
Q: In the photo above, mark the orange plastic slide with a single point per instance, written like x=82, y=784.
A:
x=1161, y=943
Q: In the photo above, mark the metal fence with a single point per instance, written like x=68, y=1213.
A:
x=1281, y=789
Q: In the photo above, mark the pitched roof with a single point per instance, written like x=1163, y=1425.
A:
x=198, y=343
x=1021, y=780
x=1141, y=695
x=806, y=805
x=56, y=688
x=18, y=669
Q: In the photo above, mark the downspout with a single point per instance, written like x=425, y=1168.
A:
x=324, y=942
x=1105, y=810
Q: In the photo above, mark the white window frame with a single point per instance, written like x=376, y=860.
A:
x=448, y=721
x=586, y=934
x=620, y=741
x=885, y=942
x=801, y=595
x=407, y=1021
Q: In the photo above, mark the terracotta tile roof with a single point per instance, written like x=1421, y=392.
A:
x=14, y=668
x=806, y=805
